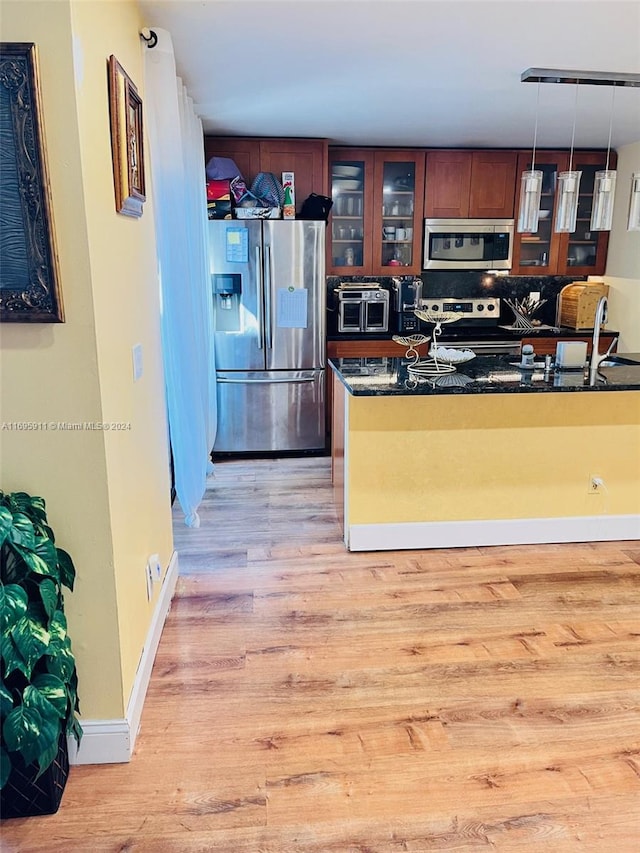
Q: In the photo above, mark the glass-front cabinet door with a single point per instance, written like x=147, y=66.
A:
x=397, y=214
x=583, y=251
x=538, y=254
x=376, y=218
x=546, y=252
x=351, y=191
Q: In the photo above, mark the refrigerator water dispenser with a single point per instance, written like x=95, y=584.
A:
x=227, y=288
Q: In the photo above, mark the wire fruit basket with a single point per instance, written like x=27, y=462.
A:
x=436, y=365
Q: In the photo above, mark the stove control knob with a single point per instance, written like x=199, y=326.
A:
x=435, y=307
x=491, y=307
x=480, y=307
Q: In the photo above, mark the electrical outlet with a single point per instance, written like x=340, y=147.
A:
x=596, y=485
x=149, y=577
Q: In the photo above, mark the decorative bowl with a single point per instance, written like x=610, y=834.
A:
x=347, y=184
x=452, y=356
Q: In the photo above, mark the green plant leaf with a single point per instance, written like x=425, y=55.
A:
x=33, y=561
x=49, y=595
x=31, y=637
x=21, y=731
x=46, y=757
x=5, y=767
x=46, y=550
x=11, y=657
x=22, y=532
x=14, y=569
x=27, y=731
x=61, y=663
x=74, y=728
x=66, y=568
x=13, y=605
x=6, y=701
x=6, y=521
x=54, y=691
x=58, y=627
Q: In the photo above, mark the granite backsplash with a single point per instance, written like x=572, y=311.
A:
x=472, y=283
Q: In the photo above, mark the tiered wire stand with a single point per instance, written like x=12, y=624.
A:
x=411, y=342
x=434, y=366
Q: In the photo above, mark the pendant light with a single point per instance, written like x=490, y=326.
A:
x=568, y=187
x=633, y=223
x=605, y=181
x=531, y=187
x=604, y=188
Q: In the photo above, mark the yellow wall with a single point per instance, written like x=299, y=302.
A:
x=107, y=492
x=503, y=456
x=623, y=260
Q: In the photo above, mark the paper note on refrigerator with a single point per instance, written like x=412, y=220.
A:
x=291, y=310
x=237, y=245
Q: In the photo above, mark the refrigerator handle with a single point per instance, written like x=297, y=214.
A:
x=268, y=322
x=260, y=297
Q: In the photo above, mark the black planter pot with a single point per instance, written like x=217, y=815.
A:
x=26, y=796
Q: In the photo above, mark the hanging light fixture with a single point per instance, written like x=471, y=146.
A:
x=531, y=187
x=604, y=188
x=605, y=181
x=568, y=187
x=633, y=223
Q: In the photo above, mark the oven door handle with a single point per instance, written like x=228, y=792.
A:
x=486, y=347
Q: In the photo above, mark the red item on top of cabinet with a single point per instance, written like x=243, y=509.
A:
x=218, y=190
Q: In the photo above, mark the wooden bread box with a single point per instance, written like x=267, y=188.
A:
x=577, y=304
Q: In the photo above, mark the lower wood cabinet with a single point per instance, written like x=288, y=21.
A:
x=547, y=345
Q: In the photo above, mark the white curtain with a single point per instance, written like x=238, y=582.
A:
x=176, y=180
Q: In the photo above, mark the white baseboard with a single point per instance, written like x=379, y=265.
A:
x=113, y=741
x=516, y=531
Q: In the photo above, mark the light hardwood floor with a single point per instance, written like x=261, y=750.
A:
x=309, y=700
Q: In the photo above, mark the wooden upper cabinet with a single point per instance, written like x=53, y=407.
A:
x=306, y=158
x=493, y=184
x=244, y=152
x=470, y=184
x=448, y=180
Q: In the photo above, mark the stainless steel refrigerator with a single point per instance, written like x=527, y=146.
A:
x=269, y=297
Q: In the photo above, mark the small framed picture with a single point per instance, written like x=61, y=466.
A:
x=127, y=150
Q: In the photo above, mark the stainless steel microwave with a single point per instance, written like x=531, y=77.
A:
x=468, y=244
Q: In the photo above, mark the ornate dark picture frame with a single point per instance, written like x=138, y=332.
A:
x=29, y=275
x=125, y=112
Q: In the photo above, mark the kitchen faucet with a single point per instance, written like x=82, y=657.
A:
x=596, y=357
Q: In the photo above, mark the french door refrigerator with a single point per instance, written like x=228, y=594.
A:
x=269, y=297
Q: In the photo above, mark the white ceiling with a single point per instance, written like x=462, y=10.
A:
x=428, y=73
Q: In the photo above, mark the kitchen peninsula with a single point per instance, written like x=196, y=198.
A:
x=491, y=454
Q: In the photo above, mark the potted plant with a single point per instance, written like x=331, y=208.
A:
x=38, y=687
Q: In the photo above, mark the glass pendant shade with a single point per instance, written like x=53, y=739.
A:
x=567, y=210
x=634, y=203
x=603, y=194
x=530, y=192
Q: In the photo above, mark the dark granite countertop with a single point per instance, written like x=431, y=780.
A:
x=479, y=333
x=489, y=374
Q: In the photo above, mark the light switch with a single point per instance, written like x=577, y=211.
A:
x=137, y=362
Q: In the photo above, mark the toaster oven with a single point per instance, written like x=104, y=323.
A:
x=362, y=308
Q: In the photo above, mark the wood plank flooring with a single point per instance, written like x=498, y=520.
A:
x=309, y=700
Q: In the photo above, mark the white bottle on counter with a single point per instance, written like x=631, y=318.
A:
x=528, y=356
